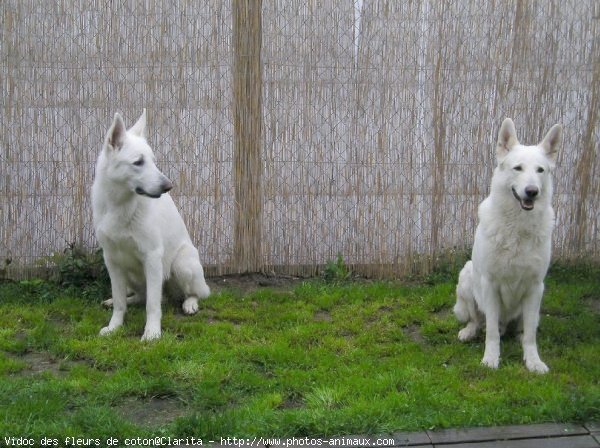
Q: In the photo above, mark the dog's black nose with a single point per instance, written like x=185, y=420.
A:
x=167, y=185
x=531, y=191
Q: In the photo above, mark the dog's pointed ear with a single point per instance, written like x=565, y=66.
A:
x=507, y=138
x=115, y=136
x=139, y=128
x=552, y=141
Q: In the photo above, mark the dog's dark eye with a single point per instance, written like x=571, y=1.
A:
x=139, y=162
x=518, y=168
x=540, y=170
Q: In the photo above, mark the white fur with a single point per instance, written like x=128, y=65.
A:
x=511, y=252
x=144, y=239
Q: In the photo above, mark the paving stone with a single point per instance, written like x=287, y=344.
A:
x=546, y=435
x=505, y=433
x=398, y=439
x=593, y=427
x=553, y=442
x=412, y=439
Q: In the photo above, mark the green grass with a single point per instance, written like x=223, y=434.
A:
x=314, y=359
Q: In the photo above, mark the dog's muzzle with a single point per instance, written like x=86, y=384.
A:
x=164, y=187
x=531, y=193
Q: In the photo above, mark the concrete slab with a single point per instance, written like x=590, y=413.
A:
x=593, y=427
x=412, y=439
x=505, y=433
x=552, y=442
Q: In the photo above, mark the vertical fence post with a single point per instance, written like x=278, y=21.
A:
x=247, y=121
x=584, y=177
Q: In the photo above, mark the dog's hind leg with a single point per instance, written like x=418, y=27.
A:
x=469, y=332
x=465, y=308
x=189, y=275
x=133, y=298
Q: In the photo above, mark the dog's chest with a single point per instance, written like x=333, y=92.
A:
x=125, y=253
x=518, y=254
x=119, y=241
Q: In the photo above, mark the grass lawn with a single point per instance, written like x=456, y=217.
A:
x=305, y=358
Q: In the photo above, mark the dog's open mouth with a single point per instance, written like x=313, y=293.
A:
x=526, y=204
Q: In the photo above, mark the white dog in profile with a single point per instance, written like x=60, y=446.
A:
x=511, y=253
x=144, y=239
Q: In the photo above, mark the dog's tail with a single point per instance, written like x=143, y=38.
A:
x=464, y=293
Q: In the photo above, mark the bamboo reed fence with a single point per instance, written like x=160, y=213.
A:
x=297, y=130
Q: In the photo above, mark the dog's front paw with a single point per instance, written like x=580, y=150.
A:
x=151, y=334
x=108, y=303
x=107, y=330
x=190, y=306
x=536, y=366
x=491, y=361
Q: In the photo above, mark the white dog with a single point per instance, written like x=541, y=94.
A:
x=511, y=252
x=144, y=239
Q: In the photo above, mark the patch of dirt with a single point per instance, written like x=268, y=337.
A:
x=323, y=316
x=385, y=309
x=292, y=403
x=444, y=313
x=209, y=316
x=154, y=412
x=414, y=333
x=38, y=362
x=251, y=282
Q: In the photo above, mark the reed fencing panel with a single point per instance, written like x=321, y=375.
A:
x=371, y=137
